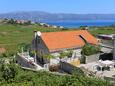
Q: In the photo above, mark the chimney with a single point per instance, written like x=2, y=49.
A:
x=37, y=33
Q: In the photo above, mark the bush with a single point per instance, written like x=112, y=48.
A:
x=8, y=71
x=48, y=56
x=62, y=55
x=78, y=71
x=24, y=46
x=90, y=49
x=69, y=53
x=30, y=78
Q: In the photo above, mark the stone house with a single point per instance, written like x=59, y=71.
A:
x=55, y=42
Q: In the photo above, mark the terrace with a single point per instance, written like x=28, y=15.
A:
x=26, y=61
x=101, y=70
x=75, y=62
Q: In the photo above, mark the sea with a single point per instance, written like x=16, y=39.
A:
x=78, y=23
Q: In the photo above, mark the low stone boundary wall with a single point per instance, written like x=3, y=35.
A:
x=24, y=63
x=66, y=67
x=110, y=78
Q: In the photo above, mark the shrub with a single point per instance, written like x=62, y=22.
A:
x=24, y=46
x=48, y=56
x=78, y=71
x=90, y=49
x=69, y=53
x=8, y=71
x=62, y=55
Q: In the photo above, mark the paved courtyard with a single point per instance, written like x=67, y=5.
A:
x=101, y=74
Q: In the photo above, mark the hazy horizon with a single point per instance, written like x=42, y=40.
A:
x=57, y=12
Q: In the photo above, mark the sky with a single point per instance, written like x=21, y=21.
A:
x=59, y=6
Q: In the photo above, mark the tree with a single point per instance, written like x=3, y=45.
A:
x=12, y=21
x=28, y=22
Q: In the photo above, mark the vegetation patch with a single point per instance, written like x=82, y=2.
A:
x=90, y=49
x=12, y=35
x=13, y=75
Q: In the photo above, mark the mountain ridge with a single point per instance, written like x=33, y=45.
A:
x=38, y=16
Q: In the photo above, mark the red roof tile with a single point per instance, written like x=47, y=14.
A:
x=67, y=39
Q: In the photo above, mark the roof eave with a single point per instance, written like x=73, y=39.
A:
x=61, y=49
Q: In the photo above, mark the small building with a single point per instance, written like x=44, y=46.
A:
x=108, y=41
x=21, y=21
x=44, y=24
x=54, y=26
x=55, y=42
x=60, y=27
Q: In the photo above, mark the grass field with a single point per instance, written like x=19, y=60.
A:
x=102, y=30
x=12, y=35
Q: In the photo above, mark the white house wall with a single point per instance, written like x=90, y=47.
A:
x=56, y=60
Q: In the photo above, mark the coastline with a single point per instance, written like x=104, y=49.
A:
x=79, y=23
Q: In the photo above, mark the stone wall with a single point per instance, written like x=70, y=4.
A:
x=66, y=67
x=41, y=49
x=23, y=62
x=92, y=58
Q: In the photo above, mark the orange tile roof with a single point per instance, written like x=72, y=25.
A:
x=67, y=39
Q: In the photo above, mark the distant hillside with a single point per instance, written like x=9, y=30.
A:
x=45, y=16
